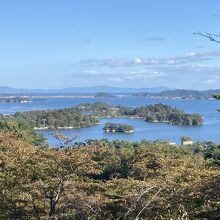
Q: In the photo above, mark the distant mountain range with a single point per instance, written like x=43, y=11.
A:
x=107, y=91
x=80, y=90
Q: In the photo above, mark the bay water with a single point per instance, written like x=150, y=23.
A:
x=209, y=131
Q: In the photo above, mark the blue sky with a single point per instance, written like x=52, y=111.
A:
x=124, y=43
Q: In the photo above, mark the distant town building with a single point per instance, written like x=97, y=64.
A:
x=186, y=141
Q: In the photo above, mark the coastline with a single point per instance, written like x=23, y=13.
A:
x=63, y=128
x=113, y=131
x=63, y=97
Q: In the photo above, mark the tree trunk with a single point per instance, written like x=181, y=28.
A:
x=52, y=209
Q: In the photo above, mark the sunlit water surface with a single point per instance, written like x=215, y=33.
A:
x=143, y=130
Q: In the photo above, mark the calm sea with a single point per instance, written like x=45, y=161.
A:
x=210, y=131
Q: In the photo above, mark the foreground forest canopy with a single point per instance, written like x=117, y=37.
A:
x=85, y=115
x=105, y=180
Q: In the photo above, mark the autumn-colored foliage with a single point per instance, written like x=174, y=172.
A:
x=106, y=180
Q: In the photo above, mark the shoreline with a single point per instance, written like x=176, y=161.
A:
x=63, y=128
x=94, y=96
x=64, y=97
x=113, y=131
x=111, y=117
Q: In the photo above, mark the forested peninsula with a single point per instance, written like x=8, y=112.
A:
x=89, y=114
x=18, y=99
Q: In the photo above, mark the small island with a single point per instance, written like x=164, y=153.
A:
x=113, y=127
x=18, y=99
x=104, y=95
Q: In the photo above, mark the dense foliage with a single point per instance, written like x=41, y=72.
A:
x=14, y=99
x=62, y=118
x=165, y=113
x=106, y=180
x=21, y=128
x=181, y=93
x=209, y=150
x=85, y=115
x=112, y=127
x=216, y=96
x=151, y=113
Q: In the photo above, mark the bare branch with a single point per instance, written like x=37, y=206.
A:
x=60, y=190
x=211, y=37
x=140, y=196
x=93, y=210
x=44, y=188
x=148, y=203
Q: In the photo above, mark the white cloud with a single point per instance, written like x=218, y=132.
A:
x=189, y=76
x=147, y=73
x=151, y=39
x=211, y=81
x=116, y=79
x=91, y=71
x=137, y=61
x=190, y=54
x=171, y=61
x=188, y=58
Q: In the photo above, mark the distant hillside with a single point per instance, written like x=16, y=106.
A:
x=103, y=91
x=182, y=93
x=80, y=90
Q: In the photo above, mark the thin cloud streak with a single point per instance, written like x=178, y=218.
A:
x=191, y=57
x=151, y=39
x=197, y=76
